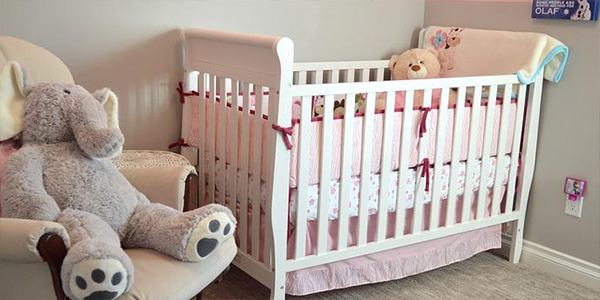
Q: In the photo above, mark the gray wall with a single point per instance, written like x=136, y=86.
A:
x=569, y=140
x=132, y=46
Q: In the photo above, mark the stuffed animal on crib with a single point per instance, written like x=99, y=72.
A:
x=417, y=64
x=63, y=173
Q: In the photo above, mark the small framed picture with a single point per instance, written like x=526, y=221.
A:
x=575, y=187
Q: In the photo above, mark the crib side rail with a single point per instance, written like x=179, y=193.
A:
x=501, y=110
x=340, y=71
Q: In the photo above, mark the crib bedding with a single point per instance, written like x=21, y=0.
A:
x=376, y=135
x=374, y=180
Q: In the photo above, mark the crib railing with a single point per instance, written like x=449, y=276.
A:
x=342, y=71
x=417, y=233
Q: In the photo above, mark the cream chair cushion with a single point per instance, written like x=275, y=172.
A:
x=157, y=277
x=161, y=277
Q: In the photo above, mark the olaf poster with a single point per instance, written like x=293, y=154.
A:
x=581, y=10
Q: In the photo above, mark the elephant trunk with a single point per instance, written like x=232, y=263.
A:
x=92, y=133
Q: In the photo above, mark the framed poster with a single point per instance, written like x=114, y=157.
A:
x=582, y=10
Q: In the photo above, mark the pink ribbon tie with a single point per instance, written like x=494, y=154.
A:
x=287, y=132
x=425, y=173
x=181, y=142
x=182, y=94
x=423, y=125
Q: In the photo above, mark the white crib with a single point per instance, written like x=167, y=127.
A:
x=220, y=62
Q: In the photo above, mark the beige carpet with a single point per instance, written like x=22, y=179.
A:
x=483, y=276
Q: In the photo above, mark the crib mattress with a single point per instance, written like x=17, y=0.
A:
x=377, y=137
x=413, y=180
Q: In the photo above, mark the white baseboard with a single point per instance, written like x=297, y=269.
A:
x=557, y=263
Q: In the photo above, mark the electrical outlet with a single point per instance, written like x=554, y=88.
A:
x=573, y=207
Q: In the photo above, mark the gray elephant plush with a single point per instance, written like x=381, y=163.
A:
x=63, y=173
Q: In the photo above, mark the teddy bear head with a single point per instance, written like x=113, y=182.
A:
x=51, y=113
x=415, y=64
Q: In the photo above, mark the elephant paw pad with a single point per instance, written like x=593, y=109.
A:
x=208, y=235
x=98, y=279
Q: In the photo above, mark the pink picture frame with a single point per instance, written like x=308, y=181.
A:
x=575, y=187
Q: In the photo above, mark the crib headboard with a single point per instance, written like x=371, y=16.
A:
x=246, y=57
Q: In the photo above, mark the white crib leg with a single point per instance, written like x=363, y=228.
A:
x=278, y=288
x=516, y=243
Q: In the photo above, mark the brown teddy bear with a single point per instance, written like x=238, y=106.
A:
x=418, y=64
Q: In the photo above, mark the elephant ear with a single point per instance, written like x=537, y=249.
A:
x=12, y=98
x=110, y=102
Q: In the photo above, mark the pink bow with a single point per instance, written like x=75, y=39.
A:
x=182, y=94
x=287, y=132
x=181, y=142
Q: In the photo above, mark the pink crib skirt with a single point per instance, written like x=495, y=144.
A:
x=386, y=265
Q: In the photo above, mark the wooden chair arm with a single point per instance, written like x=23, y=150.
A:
x=190, y=197
x=53, y=250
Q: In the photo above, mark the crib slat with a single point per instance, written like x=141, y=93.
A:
x=318, y=77
x=268, y=238
x=222, y=139
x=302, y=77
x=472, y=155
x=485, y=157
x=404, y=161
x=233, y=150
x=386, y=166
x=327, y=128
x=255, y=189
x=516, y=144
x=210, y=143
x=380, y=74
x=350, y=75
x=303, y=160
x=500, y=153
x=442, y=122
x=421, y=181
x=365, y=171
x=335, y=76
x=202, y=154
x=459, y=113
x=244, y=168
x=346, y=179
x=364, y=75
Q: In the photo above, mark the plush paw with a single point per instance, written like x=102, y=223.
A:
x=213, y=230
x=98, y=279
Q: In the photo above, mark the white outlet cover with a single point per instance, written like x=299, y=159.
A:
x=573, y=208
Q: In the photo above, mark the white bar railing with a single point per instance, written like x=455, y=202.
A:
x=404, y=162
x=516, y=144
x=386, y=166
x=303, y=161
x=347, y=150
x=455, y=160
x=471, y=156
x=442, y=123
x=485, y=156
x=325, y=176
x=255, y=188
x=365, y=170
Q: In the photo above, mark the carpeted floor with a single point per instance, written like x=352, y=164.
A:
x=484, y=276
